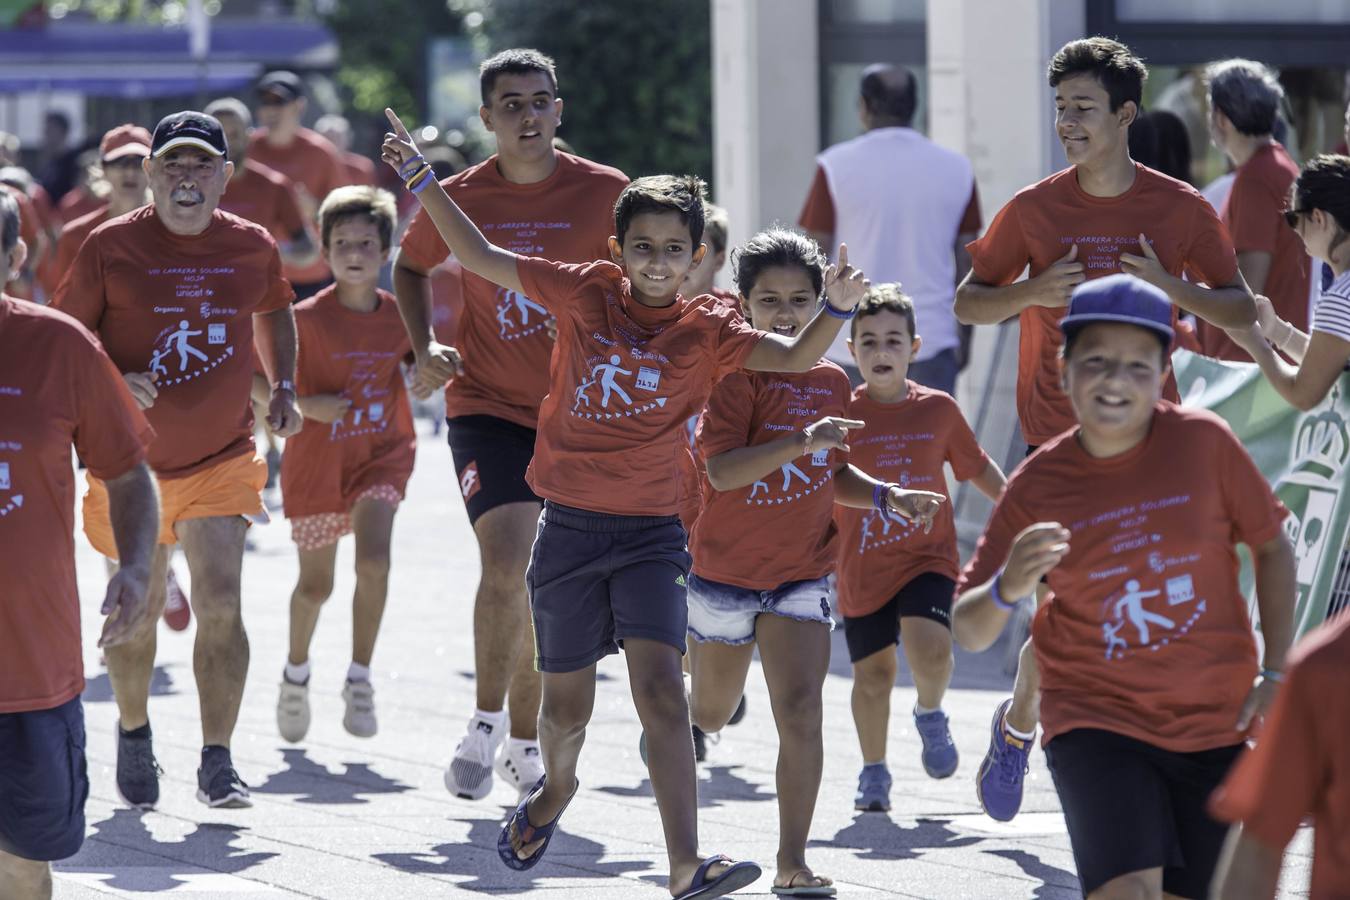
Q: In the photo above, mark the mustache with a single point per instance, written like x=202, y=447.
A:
x=190, y=194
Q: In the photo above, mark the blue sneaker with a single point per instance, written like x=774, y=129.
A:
x=874, y=789
x=939, y=753
x=999, y=784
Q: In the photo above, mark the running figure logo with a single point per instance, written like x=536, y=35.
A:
x=1127, y=615
x=518, y=316
x=788, y=491
x=177, y=345
x=605, y=375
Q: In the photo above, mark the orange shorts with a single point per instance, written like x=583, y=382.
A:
x=229, y=488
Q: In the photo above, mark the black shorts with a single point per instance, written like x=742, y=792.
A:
x=491, y=456
x=1131, y=806
x=595, y=579
x=928, y=596
x=43, y=782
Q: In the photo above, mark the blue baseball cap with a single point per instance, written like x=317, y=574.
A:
x=1120, y=298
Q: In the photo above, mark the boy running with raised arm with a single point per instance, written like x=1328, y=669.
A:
x=1148, y=665
x=634, y=359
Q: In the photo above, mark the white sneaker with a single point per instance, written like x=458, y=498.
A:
x=522, y=768
x=469, y=775
x=293, y=711
x=359, y=719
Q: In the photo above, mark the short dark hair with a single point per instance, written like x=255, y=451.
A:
x=885, y=297
x=1247, y=93
x=1324, y=183
x=359, y=201
x=683, y=194
x=890, y=91
x=1159, y=140
x=59, y=117
x=777, y=246
x=1072, y=337
x=9, y=222
x=1118, y=70
x=517, y=61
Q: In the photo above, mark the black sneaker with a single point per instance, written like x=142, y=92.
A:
x=137, y=771
x=219, y=785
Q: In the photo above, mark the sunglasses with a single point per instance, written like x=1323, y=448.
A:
x=1291, y=216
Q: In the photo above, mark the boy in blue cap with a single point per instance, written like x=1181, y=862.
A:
x=1148, y=664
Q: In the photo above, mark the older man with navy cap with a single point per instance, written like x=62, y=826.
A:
x=176, y=291
x=1150, y=677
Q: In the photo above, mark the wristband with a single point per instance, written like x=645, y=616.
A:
x=879, y=494
x=1272, y=675
x=426, y=181
x=416, y=176
x=839, y=313
x=408, y=168
x=997, y=595
x=284, y=385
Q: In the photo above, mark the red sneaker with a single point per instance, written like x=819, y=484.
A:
x=177, y=613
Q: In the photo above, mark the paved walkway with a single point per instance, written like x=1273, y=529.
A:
x=338, y=817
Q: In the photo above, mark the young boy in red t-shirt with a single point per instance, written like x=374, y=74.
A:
x=345, y=472
x=1148, y=665
x=633, y=361
x=896, y=582
x=1299, y=768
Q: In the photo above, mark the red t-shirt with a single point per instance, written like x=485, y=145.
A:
x=356, y=355
x=624, y=380
x=310, y=161
x=1253, y=214
x=567, y=217
x=68, y=244
x=265, y=197
x=1301, y=764
x=1147, y=633
x=78, y=202
x=778, y=529
x=181, y=306
x=447, y=300
x=57, y=388
x=1041, y=223
x=907, y=443
x=357, y=169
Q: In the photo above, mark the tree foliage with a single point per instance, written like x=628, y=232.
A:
x=635, y=75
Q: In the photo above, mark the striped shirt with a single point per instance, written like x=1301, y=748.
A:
x=1332, y=313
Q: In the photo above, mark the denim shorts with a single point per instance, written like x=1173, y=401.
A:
x=726, y=613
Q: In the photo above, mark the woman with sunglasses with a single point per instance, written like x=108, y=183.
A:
x=1319, y=211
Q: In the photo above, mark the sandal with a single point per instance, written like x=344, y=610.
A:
x=792, y=889
x=737, y=876
x=529, y=833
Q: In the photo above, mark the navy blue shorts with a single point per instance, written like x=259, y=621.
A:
x=596, y=579
x=43, y=782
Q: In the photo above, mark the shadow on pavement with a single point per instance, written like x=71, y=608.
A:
x=98, y=689
x=721, y=785
x=313, y=783
x=881, y=838
x=206, y=848
x=569, y=856
x=1056, y=883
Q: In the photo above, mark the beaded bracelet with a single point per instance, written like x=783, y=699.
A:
x=997, y=595
x=839, y=313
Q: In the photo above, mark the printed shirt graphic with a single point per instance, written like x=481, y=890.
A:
x=265, y=197
x=182, y=307
x=1040, y=224
x=778, y=529
x=568, y=217
x=1253, y=214
x=310, y=160
x=57, y=388
x=906, y=443
x=355, y=355
x=625, y=379
x=1301, y=763
x=1147, y=633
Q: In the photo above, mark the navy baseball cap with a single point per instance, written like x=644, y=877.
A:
x=1120, y=298
x=285, y=86
x=189, y=128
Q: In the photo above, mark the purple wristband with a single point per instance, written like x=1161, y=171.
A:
x=426, y=182
x=839, y=313
x=411, y=166
x=879, y=496
x=997, y=595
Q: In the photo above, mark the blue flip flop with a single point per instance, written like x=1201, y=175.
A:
x=739, y=875
x=530, y=833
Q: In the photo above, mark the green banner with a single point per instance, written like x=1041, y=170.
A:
x=1303, y=454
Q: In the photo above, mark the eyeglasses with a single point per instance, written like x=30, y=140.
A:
x=1291, y=216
